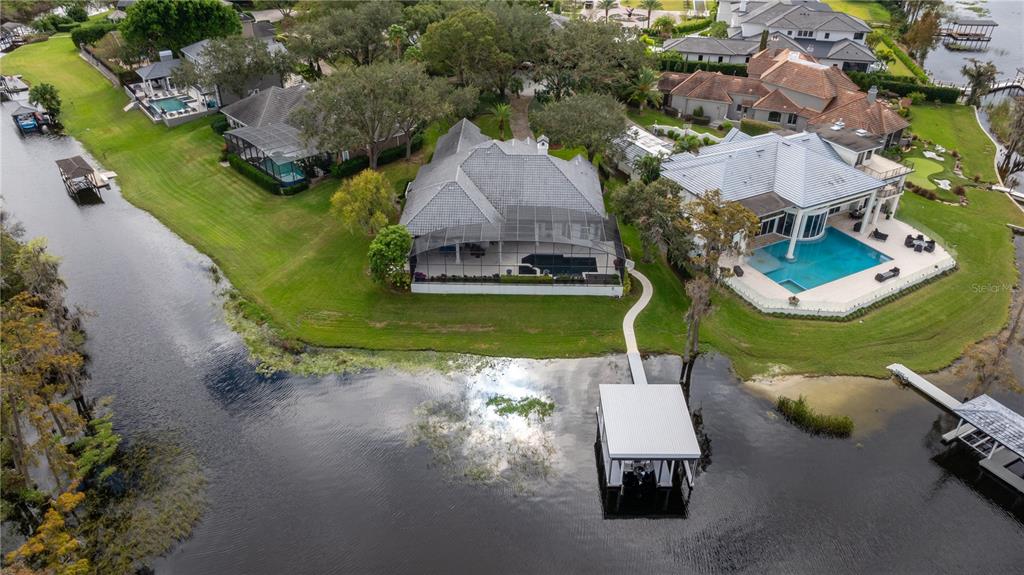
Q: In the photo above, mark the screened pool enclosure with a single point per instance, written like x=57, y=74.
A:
x=276, y=149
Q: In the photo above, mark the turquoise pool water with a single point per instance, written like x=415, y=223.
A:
x=835, y=255
x=169, y=104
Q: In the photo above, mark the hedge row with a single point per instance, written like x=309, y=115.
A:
x=694, y=26
x=755, y=127
x=91, y=33
x=673, y=61
x=353, y=166
x=903, y=57
x=932, y=93
x=255, y=174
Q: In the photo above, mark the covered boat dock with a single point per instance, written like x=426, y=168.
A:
x=79, y=176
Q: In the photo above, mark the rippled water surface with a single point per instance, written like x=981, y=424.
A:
x=316, y=475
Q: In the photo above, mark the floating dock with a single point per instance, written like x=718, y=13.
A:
x=989, y=428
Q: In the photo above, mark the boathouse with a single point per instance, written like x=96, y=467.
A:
x=646, y=435
x=28, y=119
x=970, y=29
x=79, y=176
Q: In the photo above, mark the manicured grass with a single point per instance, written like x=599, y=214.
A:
x=898, y=68
x=676, y=5
x=649, y=117
x=292, y=258
x=864, y=9
x=923, y=168
x=926, y=329
x=955, y=128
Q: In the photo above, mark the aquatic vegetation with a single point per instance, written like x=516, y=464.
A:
x=801, y=414
x=151, y=502
x=524, y=407
x=273, y=353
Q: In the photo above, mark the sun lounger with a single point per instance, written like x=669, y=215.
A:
x=879, y=235
x=738, y=271
x=881, y=277
x=930, y=246
x=857, y=226
x=909, y=242
x=918, y=248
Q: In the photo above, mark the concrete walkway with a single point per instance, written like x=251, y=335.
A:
x=636, y=365
x=520, y=120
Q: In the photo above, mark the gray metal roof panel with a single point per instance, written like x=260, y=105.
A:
x=996, y=420
x=647, y=422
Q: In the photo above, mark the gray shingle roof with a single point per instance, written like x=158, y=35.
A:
x=802, y=18
x=475, y=180
x=849, y=50
x=158, y=70
x=716, y=46
x=271, y=106
x=194, y=52
x=801, y=169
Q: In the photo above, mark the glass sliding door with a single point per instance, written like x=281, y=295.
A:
x=814, y=225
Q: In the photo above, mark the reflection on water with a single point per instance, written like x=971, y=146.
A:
x=315, y=474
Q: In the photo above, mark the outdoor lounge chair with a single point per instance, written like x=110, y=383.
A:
x=909, y=242
x=918, y=248
x=930, y=246
x=881, y=277
x=857, y=226
x=738, y=271
x=879, y=235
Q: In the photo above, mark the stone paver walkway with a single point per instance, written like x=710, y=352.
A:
x=521, y=117
x=636, y=365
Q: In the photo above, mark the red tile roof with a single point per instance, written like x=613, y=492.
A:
x=858, y=113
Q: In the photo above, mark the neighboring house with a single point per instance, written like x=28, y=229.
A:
x=264, y=136
x=222, y=96
x=795, y=183
x=833, y=38
x=716, y=50
x=13, y=34
x=156, y=94
x=507, y=217
x=636, y=143
x=786, y=88
x=845, y=54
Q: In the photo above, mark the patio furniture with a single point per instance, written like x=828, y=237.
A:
x=879, y=235
x=881, y=277
x=909, y=242
x=856, y=214
x=929, y=246
x=738, y=271
x=857, y=226
x=920, y=237
x=918, y=248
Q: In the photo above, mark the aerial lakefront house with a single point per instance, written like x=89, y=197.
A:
x=845, y=55
x=785, y=88
x=829, y=242
x=506, y=217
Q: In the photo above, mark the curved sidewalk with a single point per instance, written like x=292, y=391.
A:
x=636, y=366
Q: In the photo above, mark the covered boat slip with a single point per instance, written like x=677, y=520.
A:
x=646, y=435
x=79, y=176
x=992, y=430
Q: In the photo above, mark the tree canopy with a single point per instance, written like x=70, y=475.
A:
x=980, y=76
x=464, y=44
x=591, y=56
x=588, y=120
x=233, y=63
x=154, y=25
x=365, y=202
x=46, y=95
x=723, y=228
x=388, y=253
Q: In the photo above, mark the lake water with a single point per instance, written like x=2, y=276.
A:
x=315, y=474
x=1005, y=50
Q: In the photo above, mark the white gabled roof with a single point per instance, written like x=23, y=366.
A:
x=647, y=422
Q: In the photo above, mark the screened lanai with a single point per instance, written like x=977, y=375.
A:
x=568, y=245
x=276, y=149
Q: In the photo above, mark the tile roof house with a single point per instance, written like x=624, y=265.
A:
x=834, y=38
x=794, y=183
x=783, y=87
x=488, y=209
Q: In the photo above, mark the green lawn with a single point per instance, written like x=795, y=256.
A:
x=898, y=68
x=649, y=117
x=676, y=5
x=956, y=128
x=926, y=329
x=923, y=168
x=291, y=257
x=866, y=10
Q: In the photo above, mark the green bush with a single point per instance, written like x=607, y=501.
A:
x=250, y=171
x=68, y=26
x=803, y=416
x=220, y=124
x=77, y=13
x=686, y=28
x=91, y=33
x=905, y=87
x=350, y=167
x=525, y=279
x=353, y=166
x=755, y=128
x=917, y=97
x=725, y=126
x=903, y=57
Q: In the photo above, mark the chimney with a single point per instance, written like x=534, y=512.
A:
x=872, y=94
x=166, y=55
x=542, y=145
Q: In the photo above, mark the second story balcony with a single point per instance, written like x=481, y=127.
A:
x=883, y=168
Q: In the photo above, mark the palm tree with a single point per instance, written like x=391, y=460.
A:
x=664, y=24
x=643, y=88
x=650, y=5
x=606, y=5
x=397, y=35
x=502, y=113
x=980, y=77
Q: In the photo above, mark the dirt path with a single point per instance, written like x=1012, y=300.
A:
x=521, y=117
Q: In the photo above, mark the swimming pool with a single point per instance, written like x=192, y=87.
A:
x=169, y=105
x=835, y=255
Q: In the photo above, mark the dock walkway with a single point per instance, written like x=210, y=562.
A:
x=636, y=364
x=926, y=387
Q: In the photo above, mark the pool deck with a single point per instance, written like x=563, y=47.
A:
x=847, y=294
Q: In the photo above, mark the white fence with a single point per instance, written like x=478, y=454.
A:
x=837, y=309
x=663, y=129
x=516, y=289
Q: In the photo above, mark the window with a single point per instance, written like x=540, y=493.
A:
x=719, y=58
x=868, y=154
x=767, y=227
x=791, y=119
x=344, y=156
x=834, y=210
x=860, y=159
x=814, y=225
x=700, y=58
x=739, y=107
x=858, y=36
x=827, y=34
x=774, y=116
x=789, y=32
x=805, y=34
x=747, y=59
x=785, y=226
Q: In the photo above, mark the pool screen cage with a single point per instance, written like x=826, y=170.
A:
x=559, y=244
x=281, y=144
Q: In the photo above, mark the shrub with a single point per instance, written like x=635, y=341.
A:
x=47, y=24
x=701, y=120
x=902, y=57
x=755, y=128
x=255, y=174
x=350, y=167
x=525, y=279
x=803, y=416
x=91, y=33
x=68, y=26
x=220, y=124
x=698, y=111
x=689, y=26
x=672, y=61
x=353, y=166
x=725, y=126
x=917, y=97
x=77, y=13
x=903, y=86
x=387, y=255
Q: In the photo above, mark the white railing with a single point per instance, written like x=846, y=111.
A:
x=837, y=309
x=885, y=174
x=684, y=132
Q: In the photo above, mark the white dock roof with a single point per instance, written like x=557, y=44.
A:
x=995, y=420
x=647, y=422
